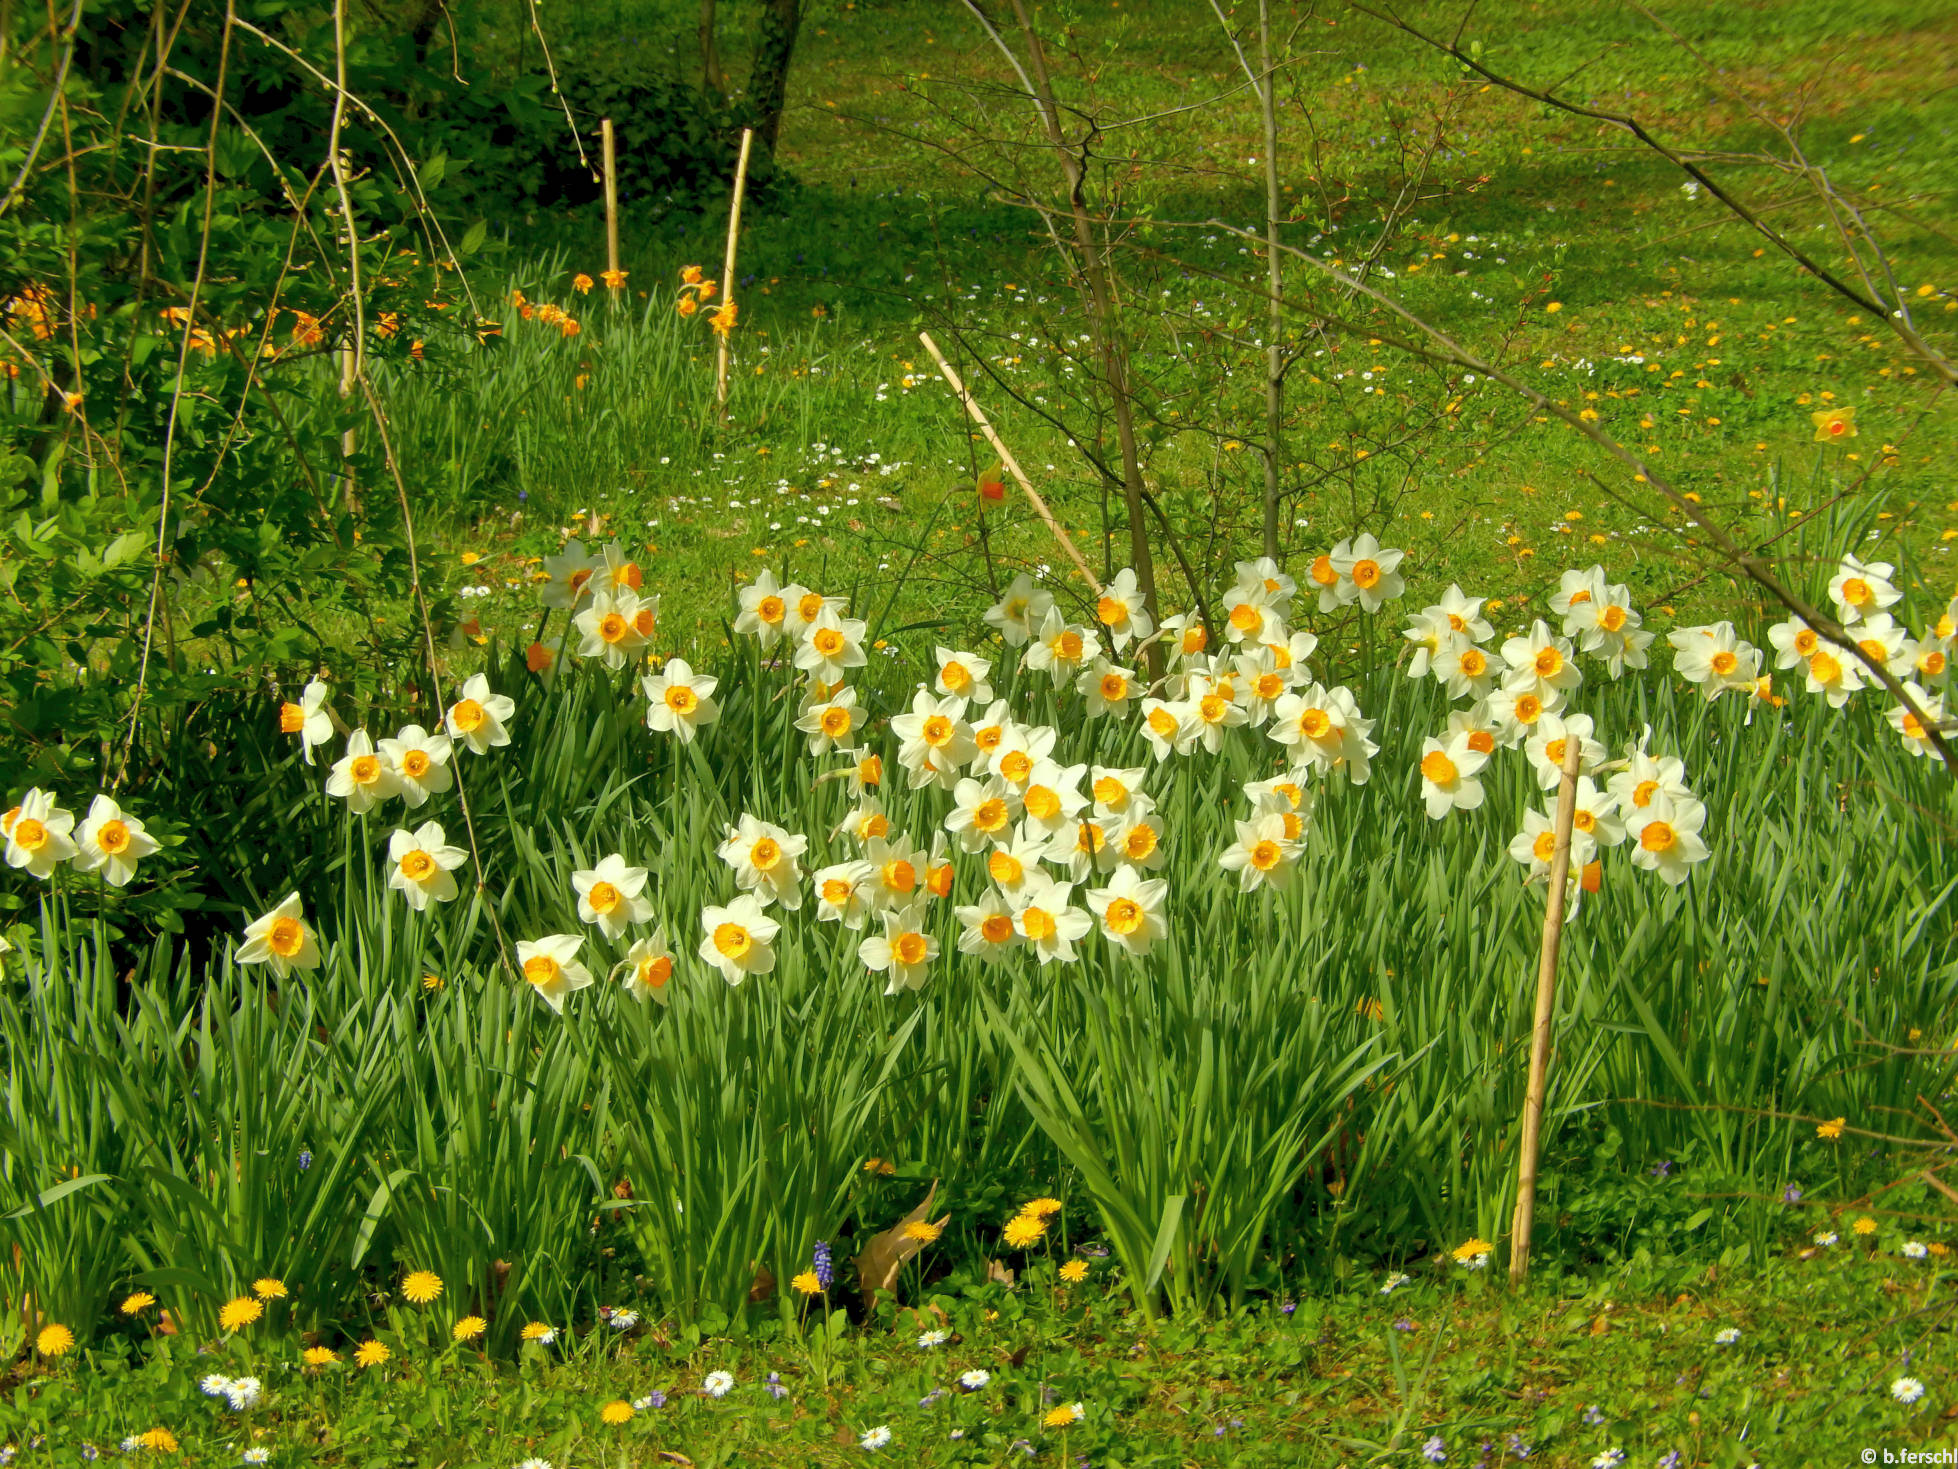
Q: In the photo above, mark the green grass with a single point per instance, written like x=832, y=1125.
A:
x=1570, y=1367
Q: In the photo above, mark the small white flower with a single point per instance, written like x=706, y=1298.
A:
x=1394, y=1282
x=243, y=1392
x=215, y=1385
x=259, y=1455
x=1825, y=1238
x=1727, y=1335
x=977, y=1378
x=1609, y=1459
x=1914, y=1250
x=876, y=1438
x=535, y=1464
x=1906, y=1390
x=934, y=1338
x=718, y=1384
x=624, y=1320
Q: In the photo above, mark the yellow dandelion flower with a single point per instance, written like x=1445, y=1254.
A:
x=808, y=1283
x=422, y=1286
x=922, y=1232
x=617, y=1411
x=1832, y=1129
x=1473, y=1249
x=538, y=1331
x=159, y=1441
x=1062, y=1416
x=1023, y=1231
x=54, y=1340
x=1040, y=1208
x=1864, y=1225
x=137, y=1302
x=269, y=1288
x=469, y=1328
x=321, y=1357
x=241, y=1311
x=371, y=1354
x=1074, y=1271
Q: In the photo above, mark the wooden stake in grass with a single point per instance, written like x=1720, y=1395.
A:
x=1546, y=1005
x=613, y=278
x=727, y=269
x=1006, y=458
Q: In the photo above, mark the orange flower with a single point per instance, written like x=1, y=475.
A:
x=1834, y=423
x=581, y=283
x=690, y=275
x=686, y=306
x=612, y=278
x=722, y=321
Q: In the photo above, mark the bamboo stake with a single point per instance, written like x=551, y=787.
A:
x=727, y=269
x=1546, y=1005
x=1006, y=458
x=613, y=278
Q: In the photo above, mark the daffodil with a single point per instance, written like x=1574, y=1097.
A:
x=570, y=574
x=619, y=573
x=1018, y=613
x=480, y=718
x=422, y=865
x=1252, y=616
x=831, y=719
x=1645, y=777
x=1018, y=750
x=111, y=841
x=679, y=701
x=1925, y=659
x=1043, y=916
x=1012, y=864
x=1833, y=423
x=1448, y=770
x=983, y=812
x=550, y=967
x=1185, y=636
x=1794, y=642
x=806, y=608
x=1834, y=674
x=986, y=928
x=1478, y=724
x=1369, y=570
x=1608, y=628
x=1715, y=658
x=992, y=730
x=1083, y=849
x=1547, y=747
x=1884, y=643
x=1169, y=727
x=282, y=939
x=1542, y=662
x=831, y=644
x=1515, y=708
x=1130, y=910
x=1536, y=845
x=647, y=969
x=1323, y=728
x=361, y=777
x=1052, y=797
x=1106, y=689
x=610, y=627
x=612, y=895
x=935, y=740
x=1062, y=649
x=1430, y=631
x=1136, y=837
x=963, y=676
x=1860, y=588
x=1464, y=669
x=764, y=610
x=866, y=821
x=843, y=893
x=1121, y=610
x=1114, y=789
x=766, y=861
x=1576, y=589
x=1214, y=710
x=1262, y=855
x=897, y=869
x=1665, y=836
x=1267, y=573
x=903, y=951
x=739, y=939
x=1259, y=684
x=308, y=719
x=1914, y=731
x=420, y=762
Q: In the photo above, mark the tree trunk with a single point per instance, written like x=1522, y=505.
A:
x=710, y=56
x=768, y=82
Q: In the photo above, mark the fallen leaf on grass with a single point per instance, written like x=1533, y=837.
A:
x=885, y=1254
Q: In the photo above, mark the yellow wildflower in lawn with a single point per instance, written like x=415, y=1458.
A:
x=1074, y=1271
x=1834, y=423
x=159, y=1441
x=1831, y=1129
x=54, y=1340
x=469, y=1328
x=923, y=1232
x=581, y=283
x=618, y=1411
x=808, y=1283
x=269, y=1288
x=1040, y=1208
x=136, y=1302
x=239, y=1312
x=539, y=1332
x=322, y=1357
x=613, y=278
x=371, y=1354
x=1062, y=1416
x=422, y=1286
x=1474, y=1253
x=1023, y=1231
x=1864, y=1226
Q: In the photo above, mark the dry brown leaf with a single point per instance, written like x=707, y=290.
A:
x=884, y=1256
x=764, y=1286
